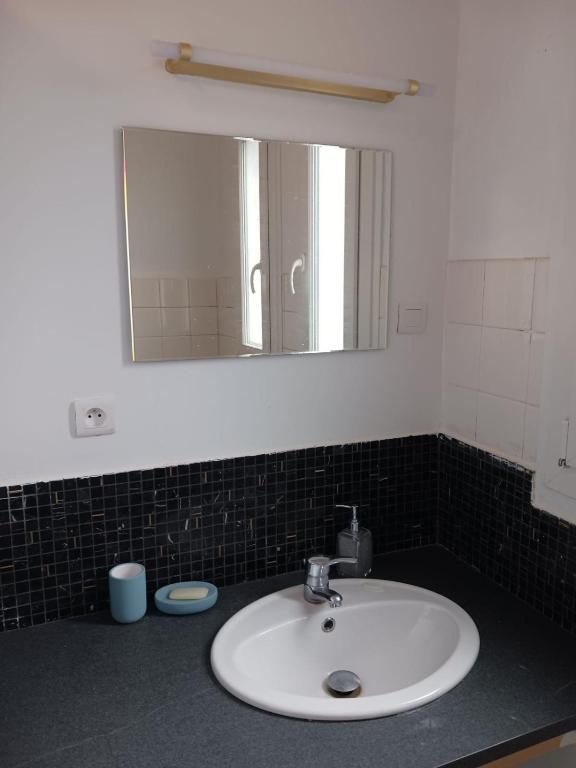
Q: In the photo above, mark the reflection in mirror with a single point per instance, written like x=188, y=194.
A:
x=246, y=247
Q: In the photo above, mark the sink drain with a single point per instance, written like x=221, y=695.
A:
x=343, y=684
x=328, y=624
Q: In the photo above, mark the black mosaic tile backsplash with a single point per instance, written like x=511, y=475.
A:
x=222, y=521
x=486, y=519
x=247, y=518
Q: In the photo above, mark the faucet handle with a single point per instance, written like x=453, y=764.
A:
x=338, y=560
x=316, y=564
x=320, y=565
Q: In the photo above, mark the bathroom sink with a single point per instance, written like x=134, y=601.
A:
x=405, y=645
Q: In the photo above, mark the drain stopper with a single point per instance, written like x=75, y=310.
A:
x=343, y=683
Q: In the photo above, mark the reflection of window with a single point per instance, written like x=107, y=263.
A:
x=250, y=243
x=327, y=173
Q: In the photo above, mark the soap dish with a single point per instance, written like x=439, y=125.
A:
x=183, y=607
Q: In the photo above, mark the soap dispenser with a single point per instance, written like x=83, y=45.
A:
x=354, y=542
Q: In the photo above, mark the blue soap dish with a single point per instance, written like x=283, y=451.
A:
x=183, y=607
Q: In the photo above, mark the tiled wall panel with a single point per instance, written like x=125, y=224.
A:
x=493, y=350
x=175, y=318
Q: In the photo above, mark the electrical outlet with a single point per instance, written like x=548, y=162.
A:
x=94, y=416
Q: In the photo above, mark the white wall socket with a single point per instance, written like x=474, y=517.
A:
x=94, y=416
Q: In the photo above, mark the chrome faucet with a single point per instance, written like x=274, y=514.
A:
x=317, y=587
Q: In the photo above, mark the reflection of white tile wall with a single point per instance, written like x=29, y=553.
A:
x=181, y=318
x=229, y=295
x=493, y=351
x=174, y=318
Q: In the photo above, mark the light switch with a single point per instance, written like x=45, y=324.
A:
x=412, y=318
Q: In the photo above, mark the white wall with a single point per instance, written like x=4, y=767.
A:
x=72, y=74
x=510, y=108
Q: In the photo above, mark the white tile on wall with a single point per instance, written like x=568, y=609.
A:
x=504, y=359
x=148, y=349
x=535, y=368
x=203, y=320
x=228, y=345
x=202, y=292
x=175, y=321
x=146, y=322
x=176, y=347
x=229, y=293
x=508, y=290
x=462, y=354
x=145, y=292
x=174, y=292
x=500, y=424
x=230, y=322
x=464, y=291
x=204, y=346
x=460, y=408
x=492, y=360
x=540, y=309
x=530, y=434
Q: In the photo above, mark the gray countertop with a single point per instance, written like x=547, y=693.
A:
x=88, y=693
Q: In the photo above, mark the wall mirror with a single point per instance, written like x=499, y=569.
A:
x=239, y=246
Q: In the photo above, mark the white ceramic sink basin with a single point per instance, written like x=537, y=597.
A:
x=407, y=645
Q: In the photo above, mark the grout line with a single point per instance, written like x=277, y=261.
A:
x=490, y=394
x=480, y=350
x=533, y=298
x=495, y=327
x=497, y=260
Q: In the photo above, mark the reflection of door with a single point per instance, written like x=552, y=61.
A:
x=329, y=225
x=254, y=262
x=333, y=245
x=313, y=205
x=373, y=248
x=289, y=247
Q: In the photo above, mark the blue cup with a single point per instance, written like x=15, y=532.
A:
x=127, y=586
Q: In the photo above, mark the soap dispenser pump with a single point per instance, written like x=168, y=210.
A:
x=354, y=542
